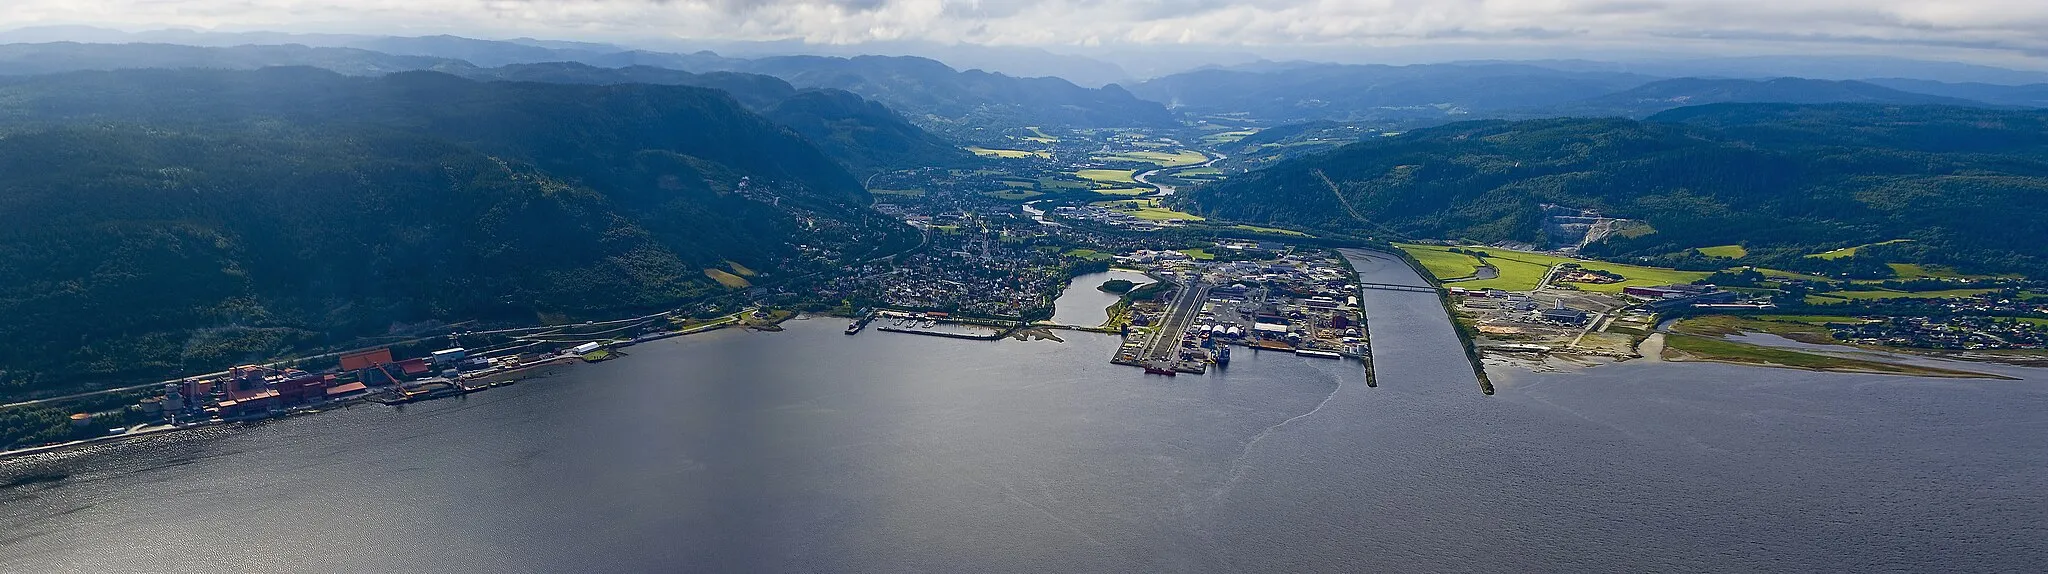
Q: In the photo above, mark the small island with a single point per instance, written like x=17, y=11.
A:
x=1117, y=286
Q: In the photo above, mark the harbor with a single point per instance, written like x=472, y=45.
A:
x=1304, y=303
x=252, y=393
x=1183, y=316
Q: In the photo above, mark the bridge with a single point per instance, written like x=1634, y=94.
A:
x=1393, y=287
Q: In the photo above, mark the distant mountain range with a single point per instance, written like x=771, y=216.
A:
x=926, y=91
x=1420, y=95
x=862, y=135
x=1662, y=95
x=1292, y=93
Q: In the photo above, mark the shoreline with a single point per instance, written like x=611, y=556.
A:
x=488, y=381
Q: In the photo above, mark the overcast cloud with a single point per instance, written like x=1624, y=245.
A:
x=2006, y=29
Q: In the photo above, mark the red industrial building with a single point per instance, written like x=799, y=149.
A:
x=365, y=359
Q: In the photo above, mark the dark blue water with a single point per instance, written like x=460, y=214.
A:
x=809, y=450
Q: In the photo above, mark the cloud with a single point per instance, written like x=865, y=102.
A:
x=2006, y=26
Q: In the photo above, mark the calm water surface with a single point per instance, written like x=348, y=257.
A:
x=1083, y=304
x=808, y=450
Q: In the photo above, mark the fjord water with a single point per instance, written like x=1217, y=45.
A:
x=811, y=450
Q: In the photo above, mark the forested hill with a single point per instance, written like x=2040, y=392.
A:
x=962, y=102
x=862, y=135
x=155, y=221
x=1968, y=185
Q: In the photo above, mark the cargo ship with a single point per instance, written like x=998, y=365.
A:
x=1158, y=370
x=1223, y=355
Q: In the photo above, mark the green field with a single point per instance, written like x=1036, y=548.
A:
x=1915, y=271
x=1124, y=191
x=1199, y=254
x=1147, y=209
x=1050, y=182
x=1724, y=251
x=1851, y=251
x=1515, y=274
x=1782, y=274
x=727, y=279
x=1163, y=159
x=1522, y=271
x=1227, y=137
x=1444, y=264
x=1090, y=254
x=1005, y=153
x=1839, y=296
x=1273, y=230
x=1041, y=137
x=1107, y=175
x=1013, y=194
x=1724, y=325
x=1198, y=172
x=1813, y=319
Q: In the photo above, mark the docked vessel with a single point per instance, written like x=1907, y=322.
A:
x=1158, y=370
x=1223, y=355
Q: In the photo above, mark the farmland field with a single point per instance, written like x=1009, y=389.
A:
x=1164, y=159
x=729, y=280
x=1523, y=271
x=1851, y=251
x=1724, y=251
x=1013, y=194
x=1147, y=209
x=1004, y=153
x=1107, y=175
x=1444, y=264
x=1839, y=296
x=1274, y=230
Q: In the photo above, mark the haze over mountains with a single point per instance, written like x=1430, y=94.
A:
x=970, y=104
x=442, y=178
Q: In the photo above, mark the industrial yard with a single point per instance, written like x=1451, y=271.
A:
x=1305, y=302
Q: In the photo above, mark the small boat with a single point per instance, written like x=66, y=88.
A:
x=853, y=327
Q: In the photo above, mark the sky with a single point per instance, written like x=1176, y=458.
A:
x=2008, y=31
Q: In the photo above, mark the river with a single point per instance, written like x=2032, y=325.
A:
x=808, y=450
